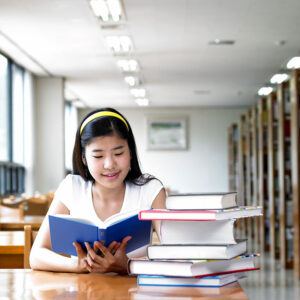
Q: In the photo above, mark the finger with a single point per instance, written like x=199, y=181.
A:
x=115, y=249
x=90, y=250
x=124, y=243
x=102, y=248
x=79, y=250
x=111, y=246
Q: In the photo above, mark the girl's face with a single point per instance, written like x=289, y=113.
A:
x=108, y=160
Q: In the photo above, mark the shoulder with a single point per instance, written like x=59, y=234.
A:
x=142, y=196
x=72, y=183
x=72, y=180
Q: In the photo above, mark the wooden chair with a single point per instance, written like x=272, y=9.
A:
x=34, y=207
x=29, y=237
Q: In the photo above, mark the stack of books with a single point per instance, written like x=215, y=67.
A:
x=198, y=244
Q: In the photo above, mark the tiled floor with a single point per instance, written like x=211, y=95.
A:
x=271, y=282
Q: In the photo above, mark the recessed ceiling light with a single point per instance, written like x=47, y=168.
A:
x=265, y=91
x=279, y=78
x=128, y=65
x=119, y=44
x=107, y=10
x=138, y=93
x=221, y=42
x=131, y=80
x=142, y=101
x=294, y=63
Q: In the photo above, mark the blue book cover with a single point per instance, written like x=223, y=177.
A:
x=64, y=230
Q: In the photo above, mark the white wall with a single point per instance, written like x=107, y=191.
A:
x=49, y=133
x=201, y=168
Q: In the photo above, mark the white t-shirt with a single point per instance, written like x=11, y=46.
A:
x=76, y=194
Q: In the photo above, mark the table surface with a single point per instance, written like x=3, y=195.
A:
x=17, y=223
x=28, y=284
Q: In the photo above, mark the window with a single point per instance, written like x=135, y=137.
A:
x=4, y=109
x=18, y=114
x=12, y=171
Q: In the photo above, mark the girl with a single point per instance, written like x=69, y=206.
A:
x=106, y=180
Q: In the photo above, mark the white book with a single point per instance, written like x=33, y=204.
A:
x=211, y=281
x=199, y=233
x=201, y=215
x=191, y=268
x=201, y=201
x=162, y=251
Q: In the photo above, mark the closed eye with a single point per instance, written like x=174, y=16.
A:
x=118, y=154
x=99, y=156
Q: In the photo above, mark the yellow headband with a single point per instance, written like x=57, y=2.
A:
x=99, y=115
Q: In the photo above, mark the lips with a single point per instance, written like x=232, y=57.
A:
x=111, y=176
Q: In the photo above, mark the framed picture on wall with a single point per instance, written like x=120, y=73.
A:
x=168, y=133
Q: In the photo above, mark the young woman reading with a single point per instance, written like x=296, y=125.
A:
x=106, y=180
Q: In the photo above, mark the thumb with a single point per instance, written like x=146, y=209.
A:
x=124, y=243
x=79, y=250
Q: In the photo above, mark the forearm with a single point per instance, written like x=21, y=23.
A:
x=47, y=260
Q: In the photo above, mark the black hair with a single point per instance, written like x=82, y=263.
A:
x=106, y=126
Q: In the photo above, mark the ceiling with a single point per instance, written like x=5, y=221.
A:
x=171, y=43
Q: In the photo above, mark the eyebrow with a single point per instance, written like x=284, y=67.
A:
x=116, y=148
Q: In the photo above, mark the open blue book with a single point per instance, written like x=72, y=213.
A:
x=65, y=229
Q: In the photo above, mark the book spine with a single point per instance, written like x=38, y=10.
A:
x=102, y=235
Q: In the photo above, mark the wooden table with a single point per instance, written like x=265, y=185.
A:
x=17, y=223
x=28, y=284
x=11, y=249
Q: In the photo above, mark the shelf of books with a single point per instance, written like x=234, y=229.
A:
x=249, y=175
x=284, y=176
x=295, y=164
x=262, y=118
x=254, y=172
x=243, y=149
x=273, y=192
x=233, y=156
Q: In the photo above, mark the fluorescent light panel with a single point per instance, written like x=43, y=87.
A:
x=294, y=63
x=142, y=101
x=107, y=10
x=279, y=78
x=119, y=44
x=138, y=93
x=265, y=91
x=128, y=65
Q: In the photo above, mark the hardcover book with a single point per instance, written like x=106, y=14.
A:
x=191, y=268
x=65, y=229
x=199, y=233
x=201, y=201
x=201, y=215
x=180, y=251
x=210, y=281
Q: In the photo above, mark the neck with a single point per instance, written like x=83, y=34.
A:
x=109, y=195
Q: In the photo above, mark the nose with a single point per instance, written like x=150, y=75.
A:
x=109, y=162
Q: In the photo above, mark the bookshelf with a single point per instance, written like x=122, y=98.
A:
x=242, y=169
x=284, y=176
x=295, y=165
x=249, y=174
x=254, y=163
x=233, y=156
x=262, y=118
x=273, y=192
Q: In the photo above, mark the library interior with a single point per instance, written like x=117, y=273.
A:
x=211, y=90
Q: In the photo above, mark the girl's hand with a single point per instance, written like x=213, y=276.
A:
x=113, y=258
x=82, y=258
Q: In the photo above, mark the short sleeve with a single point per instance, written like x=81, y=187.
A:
x=64, y=192
x=151, y=190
